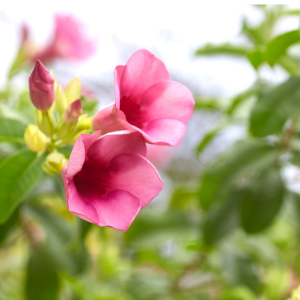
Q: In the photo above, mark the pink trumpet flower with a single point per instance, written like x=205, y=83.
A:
x=69, y=41
x=41, y=87
x=108, y=179
x=147, y=101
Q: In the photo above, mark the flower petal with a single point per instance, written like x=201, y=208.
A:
x=135, y=174
x=114, y=144
x=165, y=132
x=117, y=78
x=167, y=100
x=117, y=209
x=109, y=119
x=79, y=151
x=142, y=70
x=80, y=207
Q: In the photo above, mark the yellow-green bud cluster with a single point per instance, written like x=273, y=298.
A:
x=295, y=294
x=60, y=125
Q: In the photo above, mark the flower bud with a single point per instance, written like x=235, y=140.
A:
x=73, y=112
x=73, y=90
x=60, y=100
x=35, y=139
x=54, y=163
x=45, y=122
x=41, y=86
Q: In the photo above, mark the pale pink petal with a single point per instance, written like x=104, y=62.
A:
x=117, y=209
x=159, y=155
x=79, y=151
x=142, y=70
x=117, y=78
x=165, y=132
x=121, y=142
x=136, y=175
x=79, y=206
x=167, y=99
x=109, y=119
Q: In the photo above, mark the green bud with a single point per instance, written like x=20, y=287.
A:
x=54, y=163
x=60, y=100
x=35, y=139
x=45, y=121
x=73, y=90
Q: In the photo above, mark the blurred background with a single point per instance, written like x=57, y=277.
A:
x=227, y=224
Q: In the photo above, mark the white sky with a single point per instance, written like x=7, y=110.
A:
x=172, y=30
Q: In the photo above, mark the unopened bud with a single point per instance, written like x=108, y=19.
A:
x=73, y=112
x=60, y=100
x=35, y=139
x=54, y=163
x=41, y=86
x=73, y=90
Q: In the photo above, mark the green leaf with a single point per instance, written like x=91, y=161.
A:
x=208, y=138
x=182, y=197
x=221, y=220
x=275, y=107
x=240, y=270
x=62, y=244
x=257, y=57
x=278, y=46
x=202, y=103
x=244, y=157
x=261, y=200
x=254, y=90
x=18, y=174
x=12, y=131
x=8, y=225
x=289, y=63
x=224, y=49
x=42, y=281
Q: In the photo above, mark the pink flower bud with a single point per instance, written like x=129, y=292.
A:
x=73, y=112
x=41, y=86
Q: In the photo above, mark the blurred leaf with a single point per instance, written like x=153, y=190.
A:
x=8, y=225
x=62, y=244
x=207, y=104
x=89, y=107
x=156, y=227
x=243, y=157
x=279, y=45
x=41, y=279
x=6, y=149
x=12, y=131
x=289, y=63
x=208, y=138
x=238, y=293
x=275, y=107
x=181, y=197
x=257, y=57
x=66, y=150
x=254, y=90
x=224, y=49
x=18, y=174
x=240, y=269
x=261, y=200
x=222, y=220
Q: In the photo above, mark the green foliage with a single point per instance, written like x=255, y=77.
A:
x=275, y=107
x=226, y=49
x=42, y=280
x=261, y=200
x=12, y=131
x=240, y=160
x=18, y=174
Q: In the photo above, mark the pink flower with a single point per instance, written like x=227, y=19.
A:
x=69, y=41
x=147, y=101
x=41, y=87
x=73, y=112
x=108, y=180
